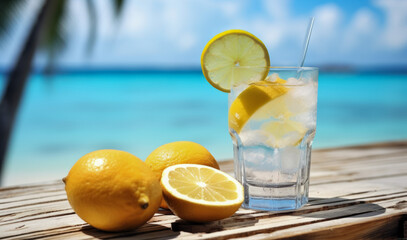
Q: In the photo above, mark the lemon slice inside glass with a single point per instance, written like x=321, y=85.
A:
x=284, y=133
x=200, y=193
x=252, y=99
x=234, y=48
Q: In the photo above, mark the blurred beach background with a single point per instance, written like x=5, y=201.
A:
x=140, y=84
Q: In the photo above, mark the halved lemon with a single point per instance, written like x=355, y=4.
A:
x=252, y=99
x=234, y=48
x=200, y=193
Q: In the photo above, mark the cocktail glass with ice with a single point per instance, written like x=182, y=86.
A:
x=272, y=123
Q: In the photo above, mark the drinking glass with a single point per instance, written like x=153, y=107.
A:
x=272, y=123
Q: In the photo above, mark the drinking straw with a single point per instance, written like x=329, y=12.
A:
x=306, y=42
x=305, y=47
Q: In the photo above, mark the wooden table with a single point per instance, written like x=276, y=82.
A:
x=356, y=193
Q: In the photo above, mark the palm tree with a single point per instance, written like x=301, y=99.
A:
x=46, y=33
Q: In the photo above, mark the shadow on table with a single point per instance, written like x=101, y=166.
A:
x=156, y=230
x=325, y=208
x=236, y=221
x=340, y=207
x=321, y=208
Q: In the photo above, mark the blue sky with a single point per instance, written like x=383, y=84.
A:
x=167, y=34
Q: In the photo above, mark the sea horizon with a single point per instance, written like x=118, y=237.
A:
x=325, y=68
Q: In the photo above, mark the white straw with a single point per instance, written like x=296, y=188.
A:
x=306, y=42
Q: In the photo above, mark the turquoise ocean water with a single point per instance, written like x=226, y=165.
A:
x=68, y=115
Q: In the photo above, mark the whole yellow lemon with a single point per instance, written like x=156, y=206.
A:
x=113, y=190
x=181, y=152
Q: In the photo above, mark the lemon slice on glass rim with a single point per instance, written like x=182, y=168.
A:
x=232, y=48
x=200, y=193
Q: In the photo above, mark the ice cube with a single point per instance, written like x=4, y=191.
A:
x=235, y=92
x=290, y=158
x=261, y=158
x=253, y=137
x=301, y=98
x=272, y=78
x=293, y=81
x=308, y=119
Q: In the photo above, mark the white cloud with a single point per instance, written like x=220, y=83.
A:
x=362, y=31
x=169, y=31
x=176, y=19
x=395, y=32
x=328, y=20
x=364, y=21
x=328, y=34
x=278, y=10
x=161, y=32
x=278, y=28
x=230, y=9
x=135, y=18
x=274, y=27
x=188, y=41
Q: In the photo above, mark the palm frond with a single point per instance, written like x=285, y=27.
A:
x=118, y=7
x=92, y=25
x=53, y=37
x=8, y=13
x=92, y=13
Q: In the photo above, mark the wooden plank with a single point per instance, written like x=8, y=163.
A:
x=353, y=214
x=30, y=189
x=314, y=203
x=355, y=193
x=259, y=215
x=377, y=228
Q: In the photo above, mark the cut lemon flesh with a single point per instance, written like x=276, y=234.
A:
x=199, y=193
x=251, y=99
x=230, y=49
